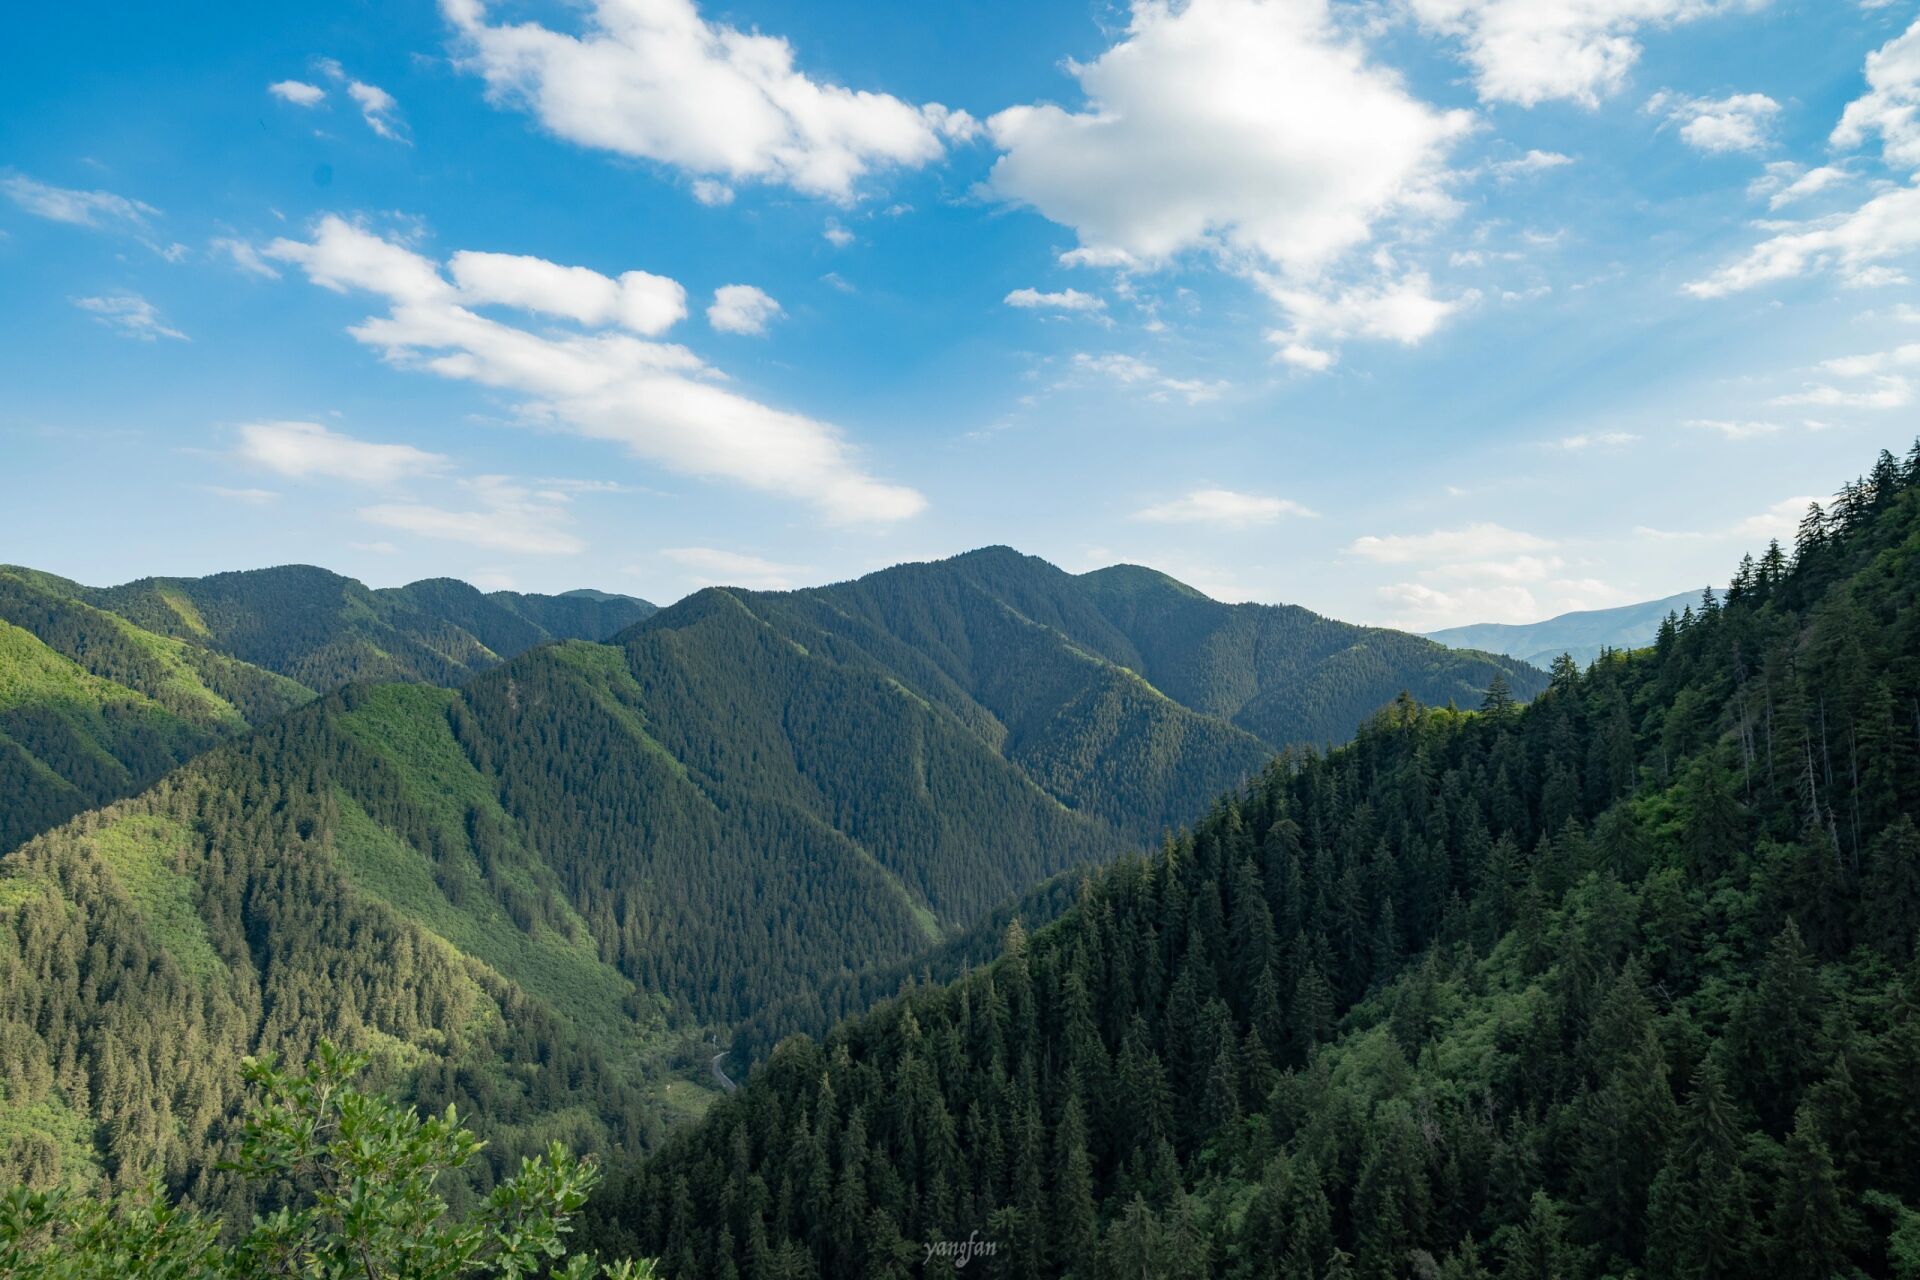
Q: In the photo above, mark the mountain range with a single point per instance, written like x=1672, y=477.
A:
x=104, y=689
x=1622, y=982
x=534, y=894
x=1584, y=635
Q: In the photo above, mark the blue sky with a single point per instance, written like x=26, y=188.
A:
x=1412, y=311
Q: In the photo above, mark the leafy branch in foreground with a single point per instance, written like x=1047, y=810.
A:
x=362, y=1173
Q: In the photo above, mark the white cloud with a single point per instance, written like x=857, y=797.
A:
x=1597, y=440
x=1858, y=243
x=656, y=399
x=742, y=308
x=1394, y=308
x=1904, y=357
x=1131, y=371
x=1853, y=243
x=1739, y=122
x=509, y=517
x=298, y=92
x=131, y=314
x=1535, y=161
x=1781, y=520
x=1889, y=391
x=653, y=79
x=1735, y=430
x=1258, y=133
x=1420, y=606
x=1891, y=105
x=836, y=235
x=1255, y=128
x=309, y=449
x=1063, y=300
x=711, y=193
x=378, y=109
x=709, y=567
x=249, y=497
x=1534, y=51
x=638, y=300
x=246, y=257
x=1222, y=507
x=1786, y=183
x=80, y=208
x=1475, y=542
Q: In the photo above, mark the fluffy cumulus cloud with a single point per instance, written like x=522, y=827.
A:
x=503, y=515
x=1235, y=124
x=710, y=567
x=1534, y=51
x=1254, y=130
x=306, y=449
x=1862, y=244
x=1062, y=300
x=1739, y=122
x=130, y=314
x=655, y=80
x=1786, y=183
x=1221, y=507
x=658, y=400
x=1859, y=244
x=1890, y=108
x=79, y=208
x=298, y=92
x=742, y=308
x=638, y=300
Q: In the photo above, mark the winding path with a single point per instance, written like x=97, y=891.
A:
x=726, y=1081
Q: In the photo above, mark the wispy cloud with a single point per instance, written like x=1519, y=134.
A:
x=1222, y=507
x=131, y=314
x=506, y=516
x=711, y=567
x=304, y=449
x=75, y=207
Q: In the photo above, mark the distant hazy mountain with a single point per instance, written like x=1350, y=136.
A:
x=1583, y=634
x=104, y=689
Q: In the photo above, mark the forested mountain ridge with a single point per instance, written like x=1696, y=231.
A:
x=345, y=873
x=93, y=707
x=742, y=802
x=326, y=630
x=1583, y=635
x=1620, y=982
x=1121, y=692
x=104, y=689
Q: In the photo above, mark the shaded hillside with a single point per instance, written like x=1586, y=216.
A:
x=344, y=873
x=1110, y=688
x=103, y=690
x=93, y=708
x=327, y=630
x=1620, y=982
x=1583, y=636
x=1283, y=673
